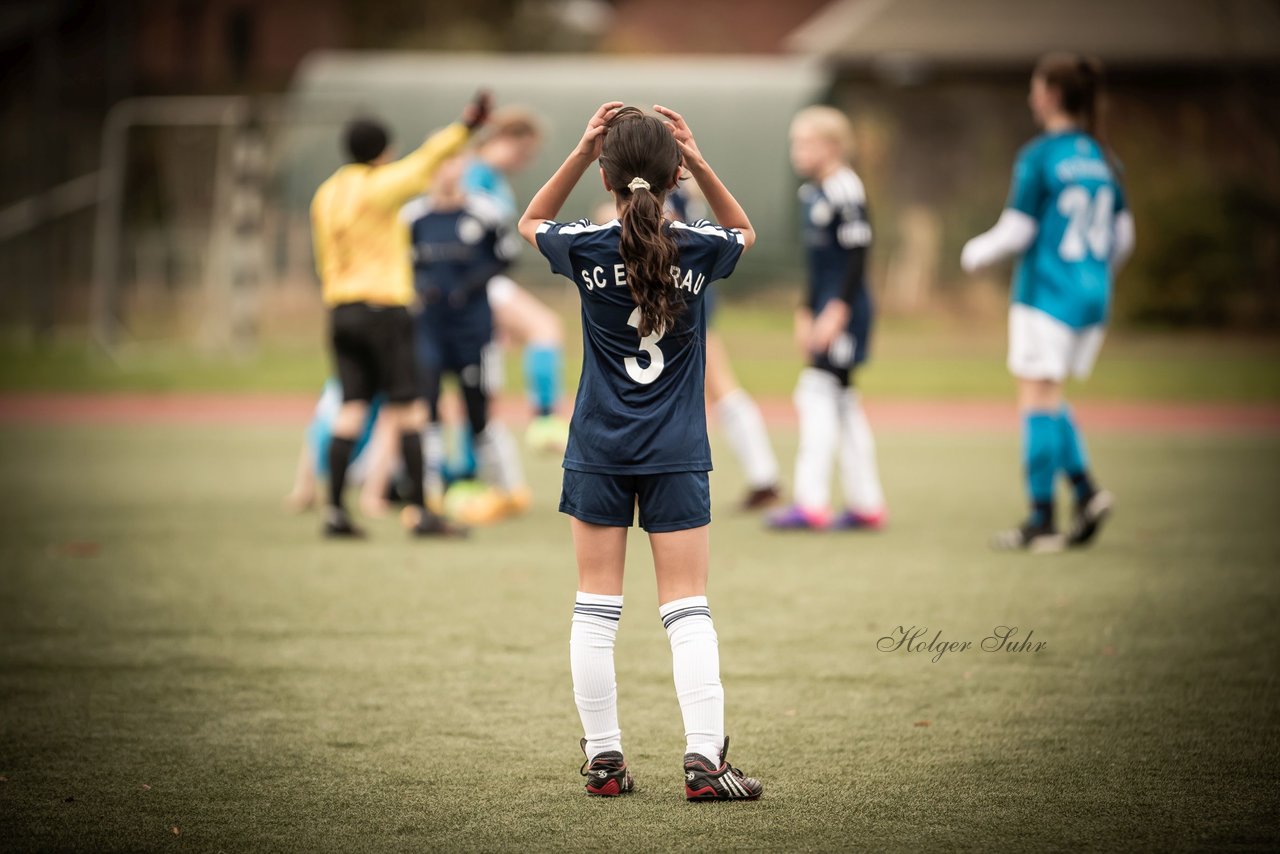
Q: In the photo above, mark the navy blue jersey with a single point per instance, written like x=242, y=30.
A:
x=455, y=253
x=837, y=235
x=640, y=406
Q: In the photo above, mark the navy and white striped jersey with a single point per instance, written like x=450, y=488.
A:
x=640, y=406
x=837, y=235
x=455, y=251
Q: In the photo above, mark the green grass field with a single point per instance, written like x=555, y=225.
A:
x=184, y=667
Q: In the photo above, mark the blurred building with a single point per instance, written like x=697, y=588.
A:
x=936, y=89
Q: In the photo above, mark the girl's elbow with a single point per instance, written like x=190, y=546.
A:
x=748, y=238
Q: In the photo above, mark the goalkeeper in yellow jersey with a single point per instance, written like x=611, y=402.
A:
x=362, y=255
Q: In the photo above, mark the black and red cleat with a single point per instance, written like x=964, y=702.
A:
x=704, y=781
x=607, y=774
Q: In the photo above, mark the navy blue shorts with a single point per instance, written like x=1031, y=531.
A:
x=676, y=501
x=849, y=350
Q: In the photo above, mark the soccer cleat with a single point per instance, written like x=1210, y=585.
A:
x=851, y=520
x=422, y=522
x=1037, y=538
x=607, y=774
x=704, y=781
x=758, y=499
x=548, y=434
x=1089, y=517
x=796, y=518
x=338, y=525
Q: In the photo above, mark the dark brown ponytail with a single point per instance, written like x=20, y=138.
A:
x=1079, y=83
x=640, y=146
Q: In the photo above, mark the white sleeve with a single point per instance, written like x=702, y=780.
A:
x=1011, y=235
x=1123, y=240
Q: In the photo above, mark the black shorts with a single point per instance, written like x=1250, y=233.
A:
x=676, y=501
x=373, y=351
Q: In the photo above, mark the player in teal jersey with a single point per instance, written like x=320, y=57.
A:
x=1068, y=223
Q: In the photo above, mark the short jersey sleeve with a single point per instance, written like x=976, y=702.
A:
x=725, y=244
x=1027, y=193
x=555, y=240
x=847, y=198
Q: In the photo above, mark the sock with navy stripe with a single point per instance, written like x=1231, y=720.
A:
x=695, y=663
x=595, y=688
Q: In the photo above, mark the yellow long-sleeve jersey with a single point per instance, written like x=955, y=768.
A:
x=361, y=246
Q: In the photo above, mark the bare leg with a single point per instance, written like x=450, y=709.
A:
x=680, y=560
x=303, y=494
x=601, y=551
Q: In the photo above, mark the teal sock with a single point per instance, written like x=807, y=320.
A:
x=1040, y=455
x=1075, y=462
x=542, y=370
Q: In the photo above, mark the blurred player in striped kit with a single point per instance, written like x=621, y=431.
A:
x=738, y=414
x=506, y=147
x=361, y=252
x=1067, y=222
x=833, y=330
x=460, y=242
x=639, y=431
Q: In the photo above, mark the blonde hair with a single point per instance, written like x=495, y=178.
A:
x=829, y=123
x=511, y=121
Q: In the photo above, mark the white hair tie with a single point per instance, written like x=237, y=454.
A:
x=638, y=183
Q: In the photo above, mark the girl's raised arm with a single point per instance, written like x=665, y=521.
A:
x=548, y=201
x=724, y=206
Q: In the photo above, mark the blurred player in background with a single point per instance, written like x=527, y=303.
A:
x=506, y=147
x=833, y=330
x=459, y=243
x=1067, y=221
x=361, y=249
x=313, y=461
x=639, y=431
x=739, y=416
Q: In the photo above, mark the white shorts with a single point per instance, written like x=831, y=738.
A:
x=1041, y=347
x=500, y=290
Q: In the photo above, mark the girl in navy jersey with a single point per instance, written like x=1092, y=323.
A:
x=639, y=435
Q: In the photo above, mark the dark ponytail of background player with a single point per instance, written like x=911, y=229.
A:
x=1079, y=82
x=641, y=146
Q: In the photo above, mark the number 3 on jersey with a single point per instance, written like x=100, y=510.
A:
x=1088, y=223
x=648, y=346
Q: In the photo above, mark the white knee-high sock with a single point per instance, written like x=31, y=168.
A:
x=595, y=689
x=498, y=458
x=859, y=475
x=744, y=428
x=816, y=398
x=695, y=663
x=433, y=461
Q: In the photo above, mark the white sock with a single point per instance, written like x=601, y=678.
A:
x=695, y=662
x=858, y=472
x=816, y=398
x=595, y=688
x=433, y=461
x=498, y=458
x=744, y=428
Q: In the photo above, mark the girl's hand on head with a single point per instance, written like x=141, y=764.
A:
x=684, y=137
x=593, y=137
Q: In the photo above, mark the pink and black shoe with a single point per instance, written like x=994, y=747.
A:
x=796, y=518
x=851, y=520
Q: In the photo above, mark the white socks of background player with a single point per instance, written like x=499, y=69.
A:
x=498, y=458
x=595, y=687
x=695, y=663
x=433, y=462
x=858, y=472
x=817, y=400
x=744, y=429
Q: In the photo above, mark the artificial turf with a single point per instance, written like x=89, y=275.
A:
x=183, y=666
